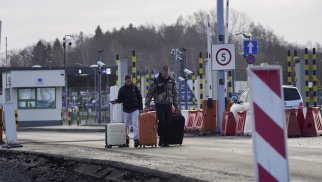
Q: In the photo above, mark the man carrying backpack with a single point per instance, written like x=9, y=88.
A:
x=131, y=97
x=164, y=92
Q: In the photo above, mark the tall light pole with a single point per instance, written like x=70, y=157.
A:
x=178, y=56
x=0, y=33
x=94, y=67
x=220, y=75
x=6, y=62
x=184, y=50
x=66, y=40
x=100, y=66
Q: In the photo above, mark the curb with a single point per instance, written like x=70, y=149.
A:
x=88, y=129
x=67, y=130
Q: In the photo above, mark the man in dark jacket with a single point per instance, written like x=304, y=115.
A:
x=163, y=90
x=131, y=97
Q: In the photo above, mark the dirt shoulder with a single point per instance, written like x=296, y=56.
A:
x=29, y=166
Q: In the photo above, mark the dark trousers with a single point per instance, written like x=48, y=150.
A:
x=164, y=113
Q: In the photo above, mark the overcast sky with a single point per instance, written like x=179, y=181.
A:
x=25, y=22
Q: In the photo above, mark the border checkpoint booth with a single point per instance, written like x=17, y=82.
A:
x=35, y=94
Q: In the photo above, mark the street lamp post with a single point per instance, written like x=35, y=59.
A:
x=186, y=95
x=100, y=66
x=178, y=56
x=94, y=66
x=66, y=41
x=186, y=76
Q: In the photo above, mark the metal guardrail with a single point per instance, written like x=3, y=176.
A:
x=88, y=117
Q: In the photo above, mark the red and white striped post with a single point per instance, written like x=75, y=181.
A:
x=269, y=127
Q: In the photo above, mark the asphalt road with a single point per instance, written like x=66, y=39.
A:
x=209, y=158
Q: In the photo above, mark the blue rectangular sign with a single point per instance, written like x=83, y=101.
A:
x=250, y=47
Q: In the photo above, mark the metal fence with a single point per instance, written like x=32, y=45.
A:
x=87, y=117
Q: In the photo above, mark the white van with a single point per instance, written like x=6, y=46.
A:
x=292, y=99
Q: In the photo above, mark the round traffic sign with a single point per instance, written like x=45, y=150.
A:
x=223, y=56
x=250, y=59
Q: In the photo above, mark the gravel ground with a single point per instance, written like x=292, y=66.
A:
x=26, y=166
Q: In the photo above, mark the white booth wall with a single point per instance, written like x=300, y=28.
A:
x=34, y=79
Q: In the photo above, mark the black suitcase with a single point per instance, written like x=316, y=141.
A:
x=176, y=129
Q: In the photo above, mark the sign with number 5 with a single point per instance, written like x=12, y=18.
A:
x=223, y=57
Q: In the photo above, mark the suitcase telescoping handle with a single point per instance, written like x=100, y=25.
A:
x=174, y=110
x=146, y=109
x=177, y=113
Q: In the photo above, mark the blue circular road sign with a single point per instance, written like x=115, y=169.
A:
x=250, y=59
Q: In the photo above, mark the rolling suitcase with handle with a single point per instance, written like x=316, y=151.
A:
x=148, y=129
x=176, y=129
x=115, y=133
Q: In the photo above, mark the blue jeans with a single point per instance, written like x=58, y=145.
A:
x=132, y=117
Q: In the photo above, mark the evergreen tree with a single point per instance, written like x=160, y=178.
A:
x=57, y=54
x=39, y=54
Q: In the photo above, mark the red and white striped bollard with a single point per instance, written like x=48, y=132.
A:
x=269, y=128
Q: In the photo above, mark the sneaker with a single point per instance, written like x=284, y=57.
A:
x=136, y=143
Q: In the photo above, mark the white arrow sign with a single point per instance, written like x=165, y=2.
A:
x=250, y=47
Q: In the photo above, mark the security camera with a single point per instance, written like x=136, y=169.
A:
x=181, y=79
x=172, y=52
x=188, y=72
x=99, y=63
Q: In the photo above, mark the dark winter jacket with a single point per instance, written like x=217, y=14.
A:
x=163, y=91
x=131, y=98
